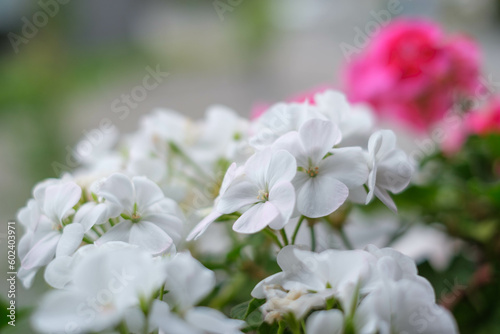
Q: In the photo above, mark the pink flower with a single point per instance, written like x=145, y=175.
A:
x=486, y=120
x=411, y=72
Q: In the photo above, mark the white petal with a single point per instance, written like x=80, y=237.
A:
x=291, y=142
x=146, y=192
x=203, y=225
x=256, y=218
x=58, y=272
x=171, y=224
x=256, y=166
x=318, y=138
x=149, y=237
x=59, y=199
x=213, y=321
x=394, y=171
x=238, y=196
x=70, y=240
x=29, y=215
x=385, y=198
x=119, y=232
x=348, y=165
x=325, y=322
x=282, y=167
x=42, y=252
x=321, y=195
x=91, y=214
x=381, y=142
x=188, y=281
x=67, y=311
x=118, y=190
x=282, y=195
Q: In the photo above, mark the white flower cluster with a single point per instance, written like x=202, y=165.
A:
x=357, y=291
x=108, y=234
x=116, y=286
x=308, y=160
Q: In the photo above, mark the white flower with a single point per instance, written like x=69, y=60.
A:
x=378, y=289
x=265, y=190
x=354, y=122
x=187, y=283
x=48, y=233
x=105, y=284
x=403, y=306
x=59, y=272
x=150, y=220
x=330, y=273
x=323, y=183
x=389, y=168
x=281, y=119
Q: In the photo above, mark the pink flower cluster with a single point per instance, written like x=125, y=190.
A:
x=412, y=73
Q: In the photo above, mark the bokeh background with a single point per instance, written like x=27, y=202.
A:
x=62, y=81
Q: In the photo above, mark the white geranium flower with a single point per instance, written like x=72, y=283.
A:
x=281, y=119
x=390, y=169
x=48, y=234
x=354, y=122
x=265, y=190
x=317, y=274
x=187, y=283
x=150, y=220
x=379, y=290
x=402, y=306
x=105, y=284
x=323, y=183
x=59, y=272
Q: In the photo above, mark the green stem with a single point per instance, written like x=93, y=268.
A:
x=123, y=328
x=94, y=228
x=313, y=238
x=296, y=231
x=162, y=292
x=273, y=236
x=284, y=236
x=345, y=239
x=282, y=327
x=88, y=240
